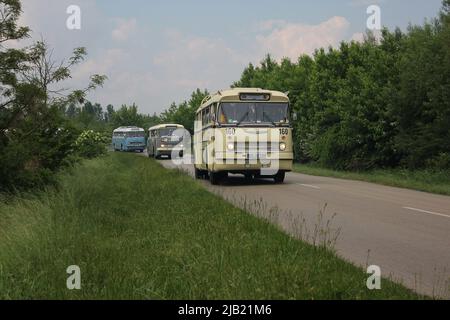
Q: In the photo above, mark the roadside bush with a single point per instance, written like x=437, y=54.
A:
x=91, y=144
x=441, y=161
x=31, y=155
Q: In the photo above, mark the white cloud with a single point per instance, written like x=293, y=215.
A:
x=292, y=40
x=125, y=85
x=109, y=61
x=192, y=61
x=124, y=29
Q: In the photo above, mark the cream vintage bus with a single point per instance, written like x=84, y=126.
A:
x=166, y=140
x=243, y=131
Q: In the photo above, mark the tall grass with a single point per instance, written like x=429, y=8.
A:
x=138, y=231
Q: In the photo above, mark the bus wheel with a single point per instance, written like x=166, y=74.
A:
x=199, y=174
x=279, y=177
x=214, y=178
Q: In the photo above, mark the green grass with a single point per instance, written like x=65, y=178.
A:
x=422, y=180
x=138, y=231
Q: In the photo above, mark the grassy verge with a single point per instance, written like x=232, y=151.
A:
x=424, y=180
x=138, y=231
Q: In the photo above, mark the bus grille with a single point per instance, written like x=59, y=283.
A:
x=254, y=146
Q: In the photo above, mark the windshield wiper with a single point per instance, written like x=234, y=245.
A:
x=269, y=118
x=243, y=118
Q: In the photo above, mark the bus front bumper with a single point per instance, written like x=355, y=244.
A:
x=170, y=151
x=244, y=162
x=135, y=147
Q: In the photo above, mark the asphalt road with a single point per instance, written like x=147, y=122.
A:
x=406, y=233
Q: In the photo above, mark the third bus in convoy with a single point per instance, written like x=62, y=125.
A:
x=128, y=139
x=245, y=131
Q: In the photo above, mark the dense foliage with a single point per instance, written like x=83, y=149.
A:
x=379, y=103
x=36, y=139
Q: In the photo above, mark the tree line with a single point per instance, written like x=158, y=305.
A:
x=94, y=116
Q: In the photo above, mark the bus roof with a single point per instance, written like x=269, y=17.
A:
x=129, y=129
x=166, y=125
x=234, y=95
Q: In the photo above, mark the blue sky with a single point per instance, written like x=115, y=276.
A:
x=156, y=52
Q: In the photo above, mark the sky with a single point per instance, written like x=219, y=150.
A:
x=158, y=52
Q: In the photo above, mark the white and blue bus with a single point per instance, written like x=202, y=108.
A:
x=129, y=139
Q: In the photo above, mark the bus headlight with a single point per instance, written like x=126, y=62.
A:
x=282, y=146
x=231, y=146
x=163, y=146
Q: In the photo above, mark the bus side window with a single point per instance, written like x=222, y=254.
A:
x=203, y=117
x=222, y=117
x=206, y=116
x=199, y=120
x=213, y=113
x=197, y=123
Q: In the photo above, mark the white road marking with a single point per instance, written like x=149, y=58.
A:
x=309, y=186
x=428, y=212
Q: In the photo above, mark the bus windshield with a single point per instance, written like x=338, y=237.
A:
x=167, y=132
x=253, y=113
x=135, y=134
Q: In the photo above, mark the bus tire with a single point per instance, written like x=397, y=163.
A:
x=199, y=174
x=214, y=178
x=279, y=177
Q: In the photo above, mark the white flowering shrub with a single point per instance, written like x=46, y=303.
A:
x=91, y=144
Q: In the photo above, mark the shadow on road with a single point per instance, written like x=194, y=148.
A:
x=239, y=181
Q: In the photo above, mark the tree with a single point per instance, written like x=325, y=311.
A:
x=184, y=113
x=109, y=113
x=423, y=109
x=35, y=137
x=128, y=116
x=11, y=60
